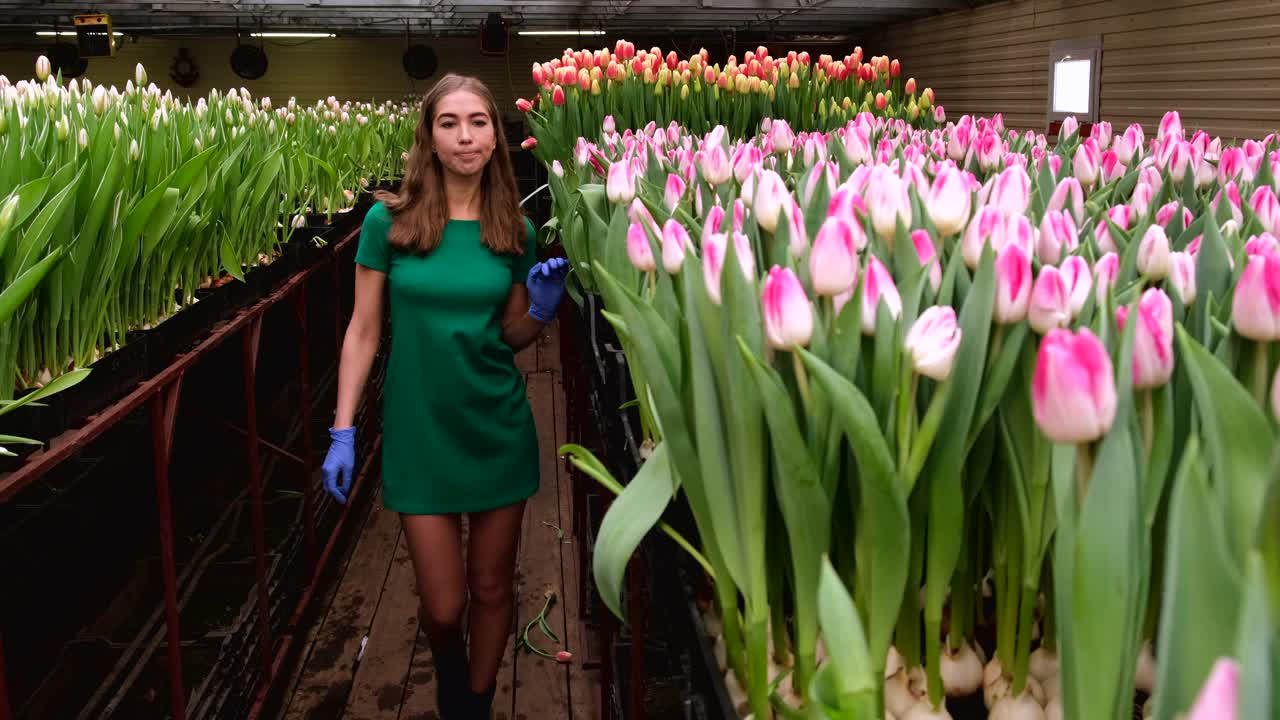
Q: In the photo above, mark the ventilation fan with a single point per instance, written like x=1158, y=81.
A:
x=419, y=61
x=249, y=62
x=65, y=58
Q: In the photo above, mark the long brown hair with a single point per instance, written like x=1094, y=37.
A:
x=421, y=209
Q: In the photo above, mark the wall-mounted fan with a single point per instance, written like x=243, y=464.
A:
x=184, y=70
x=65, y=58
x=249, y=61
x=419, y=61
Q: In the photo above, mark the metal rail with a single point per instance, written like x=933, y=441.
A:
x=162, y=391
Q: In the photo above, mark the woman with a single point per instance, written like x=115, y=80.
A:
x=458, y=261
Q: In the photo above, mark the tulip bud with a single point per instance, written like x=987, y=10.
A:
x=1182, y=275
x=781, y=136
x=715, y=165
x=1050, y=305
x=529, y=143
x=1111, y=168
x=1153, y=254
x=833, y=262
x=620, y=186
x=948, y=201
x=928, y=256
x=1255, y=306
x=1141, y=200
x=1070, y=125
x=1011, y=191
x=878, y=286
x=1218, y=699
x=1105, y=272
x=1078, y=280
x=8, y=212
x=1068, y=196
x=933, y=341
x=1057, y=233
x=1087, y=163
x=799, y=240
x=986, y=227
x=1013, y=284
x=1153, y=339
x=674, y=241
x=638, y=249
x=788, y=316
x=1073, y=390
x=673, y=192
x=557, y=96
x=887, y=200
x=1264, y=244
x=1170, y=126
x=134, y=151
x=1267, y=208
x=771, y=193
x=43, y=68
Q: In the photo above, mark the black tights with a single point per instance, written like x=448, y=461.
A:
x=435, y=544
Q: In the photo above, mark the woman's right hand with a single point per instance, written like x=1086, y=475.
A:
x=339, y=465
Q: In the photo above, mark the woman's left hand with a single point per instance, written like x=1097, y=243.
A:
x=546, y=288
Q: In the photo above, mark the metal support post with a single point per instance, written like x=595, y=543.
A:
x=304, y=407
x=252, y=333
x=164, y=410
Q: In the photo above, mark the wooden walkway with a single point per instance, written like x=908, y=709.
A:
x=376, y=598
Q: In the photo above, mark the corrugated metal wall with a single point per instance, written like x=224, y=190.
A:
x=1214, y=61
x=355, y=68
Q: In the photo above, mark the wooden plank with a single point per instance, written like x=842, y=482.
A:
x=1189, y=57
x=527, y=359
x=584, y=685
x=378, y=687
x=1247, y=74
x=324, y=602
x=542, y=684
x=327, y=679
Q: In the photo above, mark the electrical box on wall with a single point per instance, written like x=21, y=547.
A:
x=94, y=36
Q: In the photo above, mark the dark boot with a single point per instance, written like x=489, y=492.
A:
x=480, y=705
x=452, y=688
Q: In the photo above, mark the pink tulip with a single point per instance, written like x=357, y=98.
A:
x=675, y=239
x=1232, y=165
x=1141, y=200
x=745, y=161
x=878, y=285
x=1087, y=163
x=1076, y=276
x=1013, y=284
x=557, y=96
x=933, y=341
x=1057, y=233
x=1232, y=194
x=1153, y=340
x=638, y=248
x=1073, y=390
x=1121, y=215
x=711, y=224
x=1267, y=208
x=1166, y=212
x=1105, y=272
x=714, y=164
x=988, y=149
x=1182, y=275
x=788, y=316
x=1153, y=254
x=833, y=262
x=948, y=201
x=827, y=173
x=928, y=255
x=1264, y=244
x=986, y=223
x=1170, y=126
x=739, y=214
x=1174, y=156
x=1070, y=125
x=887, y=201
x=1218, y=698
x=1050, y=305
x=1255, y=307
x=1068, y=196
x=1101, y=134
x=857, y=145
x=799, y=240
x=1111, y=167
x=1131, y=144
x=781, y=136
x=713, y=252
x=771, y=193
x=620, y=187
x=1011, y=192
x=673, y=192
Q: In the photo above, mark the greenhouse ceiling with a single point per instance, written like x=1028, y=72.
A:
x=442, y=18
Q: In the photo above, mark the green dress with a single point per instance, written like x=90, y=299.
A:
x=458, y=433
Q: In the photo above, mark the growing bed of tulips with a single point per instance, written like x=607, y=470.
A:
x=962, y=415
x=117, y=206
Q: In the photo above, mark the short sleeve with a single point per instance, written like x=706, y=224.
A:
x=374, y=248
x=523, y=264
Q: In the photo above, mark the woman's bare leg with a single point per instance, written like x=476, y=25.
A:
x=491, y=566
x=435, y=545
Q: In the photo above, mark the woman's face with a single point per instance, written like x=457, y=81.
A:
x=462, y=134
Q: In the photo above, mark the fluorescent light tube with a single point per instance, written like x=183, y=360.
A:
x=293, y=35
x=68, y=33
x=560, y=32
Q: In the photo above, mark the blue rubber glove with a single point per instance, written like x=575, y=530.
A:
x=340, y=464
x=546, y=288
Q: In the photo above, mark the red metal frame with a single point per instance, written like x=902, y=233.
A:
x=162, y=391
